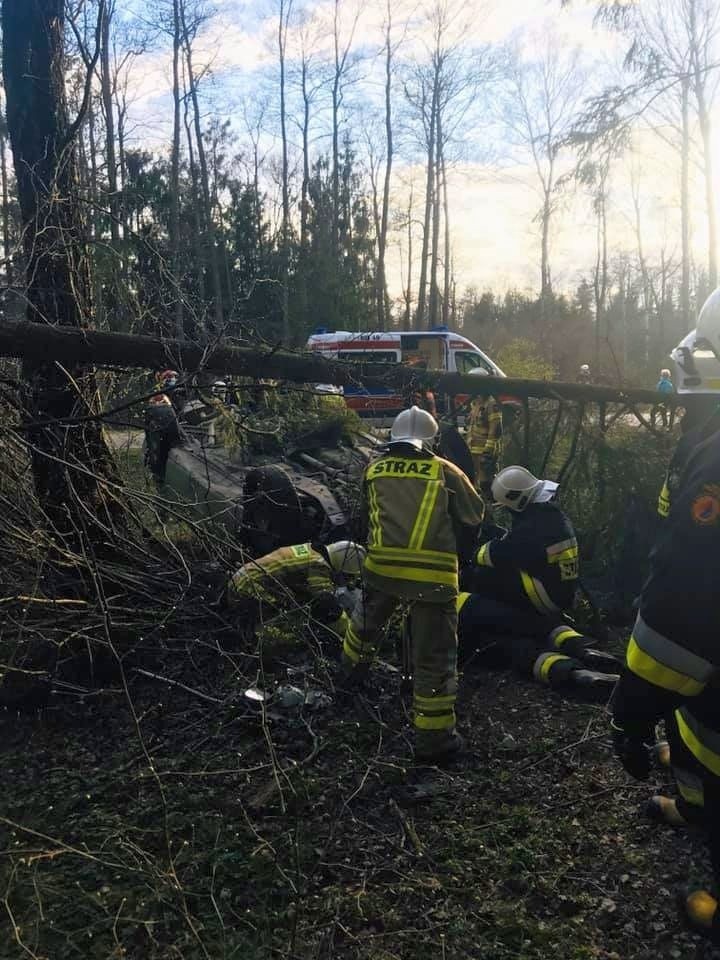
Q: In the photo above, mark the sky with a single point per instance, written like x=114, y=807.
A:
x=492, y=185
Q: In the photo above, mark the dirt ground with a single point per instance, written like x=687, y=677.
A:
x=151, y=821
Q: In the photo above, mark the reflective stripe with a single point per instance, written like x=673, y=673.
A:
x=537, y=594
x=544, y=664
x=462, y=599
x=374, y=516
x=561, y=635
x=663, y=505
x=434, y=713
x=557, y=548
x=690, y=787
x=422, y=522
x=701, y=741
x=356, y=649
x=650, y=669
x=483, y=558
x=439, y=557
x=665, y=663
x=423, y=574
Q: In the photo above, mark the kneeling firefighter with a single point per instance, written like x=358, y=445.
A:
x=492, y=633
x=289, y=576
x=523, y=581
x=673, y=658
x=411, y=499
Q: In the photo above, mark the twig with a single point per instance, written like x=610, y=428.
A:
x=177, y=683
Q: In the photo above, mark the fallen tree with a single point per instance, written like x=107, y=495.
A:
x=41, y=343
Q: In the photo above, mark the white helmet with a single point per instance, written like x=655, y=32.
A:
x=328, y=388
x=516, y=487
x=345, y=556
x=697, y=368
x=585, y=368
x=665, y=373
x=414, y=426
x=708, y=322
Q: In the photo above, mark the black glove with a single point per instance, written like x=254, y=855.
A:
x=633, y=750
x=326, y=608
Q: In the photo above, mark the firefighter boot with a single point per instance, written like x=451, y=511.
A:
x=665, y=810
x=567, y=640
x=700, y=909
x=661, y=753
x=561, y=672
x=437, y=748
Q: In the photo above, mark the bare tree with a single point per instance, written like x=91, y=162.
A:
x=284, y=12
x=544, y=95
x=343, y=35
x=190, y=23
x=43, y=141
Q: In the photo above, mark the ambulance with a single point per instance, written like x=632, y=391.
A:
x=435, y=349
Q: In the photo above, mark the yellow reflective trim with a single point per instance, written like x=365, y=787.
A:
x=532, y=589
x=391, y=554
x=570, y=554
x=650, y=669
x=446, y=722
x=462, y=599
x=663, y=505
x=435, y=703
x=374, y=516
x=693, y=795
x=420, y=574
x=707, y=757
x=563, y=636
x=545, y=663
x=483, y=558
x=424, y=516
x=349, y=652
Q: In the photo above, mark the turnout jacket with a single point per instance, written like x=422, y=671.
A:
x=674, y=651
x=411, y=501
x=542, y=551
x=298, y=573
x=485, y=428
x=685, y=446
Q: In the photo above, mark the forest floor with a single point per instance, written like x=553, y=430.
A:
x=149, y=822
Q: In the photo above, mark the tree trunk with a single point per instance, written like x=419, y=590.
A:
x=210, y=239
x=109, y=115
x=408, y=292
x=382, y=296
x=7, y=254
x=201, y=265
x=304, y=205
x=179, y=322
x=699, y=72
x=685, y=208
x=446, y=216
x=35, y=341
x=434, y=306
x=57, y=271
x=429, y=183
x=285, y=9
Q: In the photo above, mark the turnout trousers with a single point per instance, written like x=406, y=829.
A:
x=433, y=629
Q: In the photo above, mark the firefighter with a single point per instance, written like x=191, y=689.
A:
x=673, y=658
x=484, y=431
x=162, y=432
x=534, y=566
x=584, y=374
x=167, y=380
x=302, y=574
x=494, y=634
x=697, y=378
x=411, y=499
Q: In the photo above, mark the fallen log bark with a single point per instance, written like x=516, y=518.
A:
x=39, y=342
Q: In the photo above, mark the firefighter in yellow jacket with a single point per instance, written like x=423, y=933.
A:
x=411, y=501
x=302, y=574
x=484, y=432
x=673, y=658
